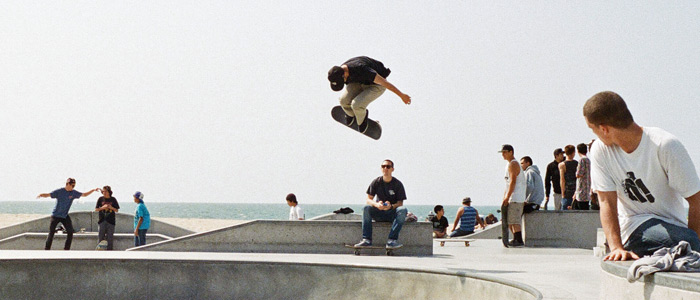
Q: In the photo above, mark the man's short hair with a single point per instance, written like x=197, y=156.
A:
x=292, y=198
x=607, y=108
x=582, y=148
x=569, y=150
x=437, y=208
x=527, y=159
x=558, y=151
x=391, y=162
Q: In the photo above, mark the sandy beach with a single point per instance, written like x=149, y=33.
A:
x=197, y=225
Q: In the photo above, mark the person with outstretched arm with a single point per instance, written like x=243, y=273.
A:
x=64, y=199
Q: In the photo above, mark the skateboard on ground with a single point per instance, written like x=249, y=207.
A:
x=443, y=241
x=374, y=130
x=504, y=226
x=389, y=251
x=102, y=245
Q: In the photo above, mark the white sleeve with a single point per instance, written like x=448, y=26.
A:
x=600, y=176
x=679, y=168
x=300, y=213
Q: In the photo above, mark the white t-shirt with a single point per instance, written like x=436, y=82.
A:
x=650, y=182
x=518, y=195
x=295, y=213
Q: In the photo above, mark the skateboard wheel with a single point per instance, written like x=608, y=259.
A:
x=389, y=253
x=357, y=251
x=442, y=244
x=466, y=244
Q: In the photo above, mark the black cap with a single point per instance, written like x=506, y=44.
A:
x=506, y=147
x=558, y=151
x=335, y=76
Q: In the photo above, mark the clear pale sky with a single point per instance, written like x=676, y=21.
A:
x=228, y=101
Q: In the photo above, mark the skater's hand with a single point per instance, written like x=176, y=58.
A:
x=621, y=254
x=136, y=232
x=406, y=99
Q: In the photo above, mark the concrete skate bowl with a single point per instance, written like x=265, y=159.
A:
x=149, y=278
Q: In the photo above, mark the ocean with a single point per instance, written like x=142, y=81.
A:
x=234, y=211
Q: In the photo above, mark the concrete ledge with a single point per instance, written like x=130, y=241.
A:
x=163, y=276
x=561, y=229
x=88, y=220
x=661, y=285
x=81, y=241
x=337, y=217
x=270, y=236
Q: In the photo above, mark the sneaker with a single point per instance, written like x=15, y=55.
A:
x=515, y=243
x=349, y=120
x=364, y=243
x=363, y=126
x=393, y=244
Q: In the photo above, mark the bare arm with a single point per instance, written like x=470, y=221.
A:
x=562, y=181
x=45, y=195
x=136, y=230
x=478, y=220
x=611, y=226
x=378, y=79
x=88, y=193
x=513, y=170
x=460, y=211
x=694, y=212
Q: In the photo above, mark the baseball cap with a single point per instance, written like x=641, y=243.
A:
x=70, y=181
x=335, y=76
x=506, y=147
x=558, y=151
x=139, y=195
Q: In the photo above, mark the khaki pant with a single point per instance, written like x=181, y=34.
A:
x=515, y=213
x=357, y=96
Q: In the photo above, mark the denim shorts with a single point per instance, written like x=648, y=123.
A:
x=655, y=234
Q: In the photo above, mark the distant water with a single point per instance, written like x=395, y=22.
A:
x=234, y=211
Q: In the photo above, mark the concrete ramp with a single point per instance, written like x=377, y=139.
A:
x=270, y=236
x=81, y=241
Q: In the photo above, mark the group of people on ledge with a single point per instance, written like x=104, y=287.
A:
x=107, y=206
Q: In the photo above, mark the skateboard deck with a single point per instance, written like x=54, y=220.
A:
x=102, y=245
x=374, y=130
x=358, y=250
x=443, y=241
x=504, y=226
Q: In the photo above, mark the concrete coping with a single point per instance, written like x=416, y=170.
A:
x=676, y=280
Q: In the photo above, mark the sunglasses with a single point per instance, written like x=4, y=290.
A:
x=387, y=166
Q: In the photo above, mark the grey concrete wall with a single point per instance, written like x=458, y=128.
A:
x=492, y=231
x=658, y=286
x=81, y=241
x=88, y=220
x=561, y=229
x=170, y=279
x=270, y=236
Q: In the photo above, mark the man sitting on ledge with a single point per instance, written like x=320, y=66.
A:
x=387, y=208
x=648, y=172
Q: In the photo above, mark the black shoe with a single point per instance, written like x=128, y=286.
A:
x=363, y=126
x=515, y=243
x=349, y=120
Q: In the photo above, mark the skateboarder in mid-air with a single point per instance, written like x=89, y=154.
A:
x=366, y=81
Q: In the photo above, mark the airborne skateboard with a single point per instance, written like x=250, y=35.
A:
x=443, y=241
x=374, y=130
x=102, y=245
x=504, y=226
x=389, y=251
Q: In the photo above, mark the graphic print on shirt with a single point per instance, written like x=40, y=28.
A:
x=632, y=187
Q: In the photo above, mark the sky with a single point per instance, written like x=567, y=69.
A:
x=228, y=101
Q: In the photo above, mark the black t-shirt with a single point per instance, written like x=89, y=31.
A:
x=439, y=225
x=391, y=191
x=570, y=178
x=363, y=69
x=110, y=215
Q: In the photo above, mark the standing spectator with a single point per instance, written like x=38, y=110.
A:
x=142, y=220
x=567, y=172
x=551, y=180
x=582, y=197
x=107, y=206
x=64, y=199
x=467, y=217
x=388, y=207
x=439, y=221
x=642, y=175
x=295, y=213
x=514, y=195
x=534, y=192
